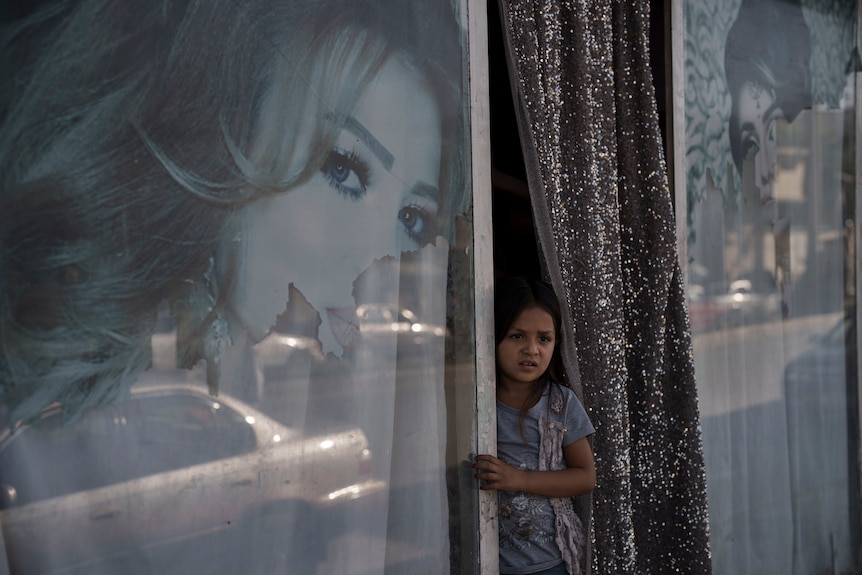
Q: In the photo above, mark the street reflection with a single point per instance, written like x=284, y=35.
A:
x=774, y=414
x=173, y=472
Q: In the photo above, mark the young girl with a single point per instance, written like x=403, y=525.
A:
x=544, y=457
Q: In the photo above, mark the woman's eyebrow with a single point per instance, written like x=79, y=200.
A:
x=774, y=107
x=424, y=190
x=356, y=128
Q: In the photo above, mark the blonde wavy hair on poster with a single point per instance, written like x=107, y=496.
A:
x=130, y=134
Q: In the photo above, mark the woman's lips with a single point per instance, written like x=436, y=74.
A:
x=765, y=189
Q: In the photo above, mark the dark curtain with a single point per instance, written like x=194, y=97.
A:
x=605, y=225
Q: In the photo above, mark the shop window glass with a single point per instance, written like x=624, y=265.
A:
x=771, y=239
x=237, y=321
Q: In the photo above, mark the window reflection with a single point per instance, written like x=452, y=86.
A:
x=772, y=285
x=210, y=216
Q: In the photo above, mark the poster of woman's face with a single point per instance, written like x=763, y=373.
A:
x=148, y=166
x=255, y=198
x=377, y=194
x=766, y=63
x=754, y=68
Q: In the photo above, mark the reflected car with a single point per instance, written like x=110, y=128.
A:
x=170, y=466
x=743, y=305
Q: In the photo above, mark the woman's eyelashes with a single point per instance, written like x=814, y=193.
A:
x=750, y=147
x=419, y=222
x=751, y=141
x=350, y=175
x=347, y=172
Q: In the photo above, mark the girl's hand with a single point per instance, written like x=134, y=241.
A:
x=578, y=478
x=498, y=475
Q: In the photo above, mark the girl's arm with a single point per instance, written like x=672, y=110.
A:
x=577, y=479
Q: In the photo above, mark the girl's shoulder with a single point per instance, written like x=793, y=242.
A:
x=558, y=397
x=554, y=388
x=563, y=399
x=577, y=421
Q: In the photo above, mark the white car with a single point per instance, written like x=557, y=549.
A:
x=171, y=470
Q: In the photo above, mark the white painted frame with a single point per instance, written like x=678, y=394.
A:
x=480, y=134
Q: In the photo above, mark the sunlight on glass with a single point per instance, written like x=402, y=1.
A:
x=353, y=490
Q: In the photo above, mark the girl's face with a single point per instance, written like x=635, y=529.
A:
x=525, y=352
x=758, y=114
x=377, y=194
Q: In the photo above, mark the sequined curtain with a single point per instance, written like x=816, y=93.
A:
x=605, y=224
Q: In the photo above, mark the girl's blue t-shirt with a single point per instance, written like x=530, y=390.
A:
x=526, y=521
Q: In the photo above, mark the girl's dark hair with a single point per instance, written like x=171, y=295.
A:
x=511, y=297
x=768, y=43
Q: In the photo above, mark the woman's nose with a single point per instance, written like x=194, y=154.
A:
x=759, y=166
x=764, y=172
x=372, y=242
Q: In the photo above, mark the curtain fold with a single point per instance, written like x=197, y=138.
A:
x=605, y=225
